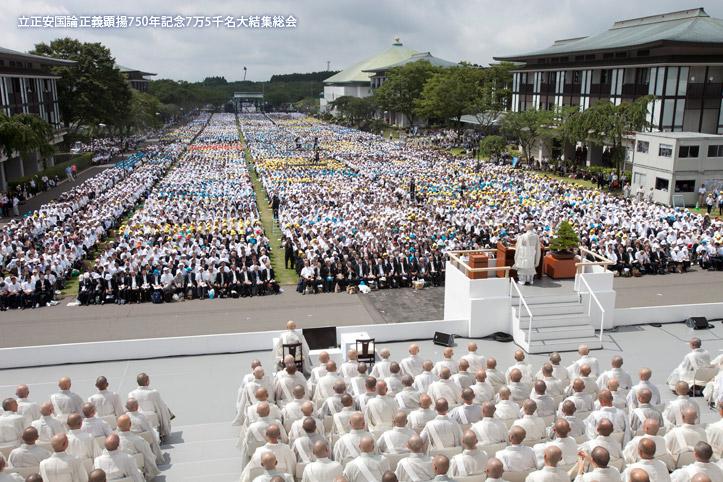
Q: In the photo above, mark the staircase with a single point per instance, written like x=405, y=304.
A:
x=559, y=323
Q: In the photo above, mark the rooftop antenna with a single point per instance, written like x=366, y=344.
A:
x=328, y=63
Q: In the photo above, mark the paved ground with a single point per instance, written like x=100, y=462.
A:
x=697, y=286
x=403, y=305
x=201, y=390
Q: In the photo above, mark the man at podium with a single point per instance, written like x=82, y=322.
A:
x=527, y=255
x=290, y=337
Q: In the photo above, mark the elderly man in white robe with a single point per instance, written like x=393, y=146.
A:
x=368, y=467
x=445, y=388
x=262, y=396
x=257, y=432
x=702, y=465
x=549, y=472
x=472, y=460
x=283, y=453
x=271, y=472
x=395, y=441
x=417, y=466
x=563, y=441
x=534, y=426
x=644, y=375
x=680, y=439
x=247, y=393
x=573, y=371
x=598, y=460
x=150, y=400
x=80, y=443
x=322, y=468
x=30, y=410
x=656, y=470
x=332, y=404
x=141, y=423
x=603, y=439
x=685, y=371
x=441, y=432
x=132, y=444
x=469, y=412
x=714, y=433
x=348, y=445
x=62, y=466
x=325, y=385
x=117, y=464
x=476, y=362
x=527, y=255
x=303, y=446
x=412, y=365
x=624, y=379
x=28, y=454
x=106, y=402
x=380, y=410
x=64, y=401
x=12, y=423
x=47, y=425
x=408, y=397
x=517, y=457
x=340, y=420
x=97, y=427
x=618, y=417
x=650, y=432
x=673, y=412
x=489, y=430
x=644, y=411
x=292, y=337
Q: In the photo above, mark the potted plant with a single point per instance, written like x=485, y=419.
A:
x=564, y=241
x=560, y=261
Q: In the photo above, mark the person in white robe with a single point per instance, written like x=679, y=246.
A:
x=332, y=404
x=472, y=460
x=408, y=398
x=567, y=412
x=603, y=439
x=464, y=377
x=30, y=410
x=150, y=400
x=527, y=255
x=489, y=430
x=702, y=465
x=494, y=377
x=714, y=433
x=348, y=444
x=61, y=466
x=291, y=337
x=624, y=379
x=367, y=467
x=447, y=361
x=517, y=457
x=419, y=418
x=518, y=391
x=618, y=417
x=685, y=371
x=64, y=401
x=247, y=394
x=655, y=469
x=631, y=453
x=395, y=441
x=644, y=411
x=117, y=464
x=8, y=476
x=350, y=367
x=28, y=454
x=549, y=472
x=381, y=368
x=553, y=385
x=520, y=364
x=598, y=461
x=271, y=471
x=534, y=426
x=325, y=385
x=132, y=444
x=81, y=443
x=95, y=426
x=644, y=375
x=340, y=420
x=412, y=365
x=141, y=423
x=683, y=438
x=573, y=371
x=417, y=466
x=283, y=453
x=106, y=402
x=426, y=378
x=441, y=432
x=394, y=380
x=483, y=390
x=445, y=388
x=12, y=423
x=469, y=412
x=673, y=413
x=506, y=408
x=566, y=444
x=380, y=410
x=476, y=362
x=322, y=469
x=545, y=403
x=47, y=425
x=262, y=396
x=303, y=446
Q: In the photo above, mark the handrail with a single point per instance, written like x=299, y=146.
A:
x=589, y=306
x=519, y=309
x=453, y=255
x=583, y=262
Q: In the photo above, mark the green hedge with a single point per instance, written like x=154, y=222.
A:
x=80, y=162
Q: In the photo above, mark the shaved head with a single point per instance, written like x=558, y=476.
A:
x=639, y=475
x=440, y=464
x=469, y=440
x=494, y=468
x=366, y=444
x=552, y=456
x=415, y=444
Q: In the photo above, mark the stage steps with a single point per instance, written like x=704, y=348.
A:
x=559, y=323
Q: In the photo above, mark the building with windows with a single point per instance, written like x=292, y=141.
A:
x=25, y=87
x=676, y=56
x=137, y=78
x=676, y=164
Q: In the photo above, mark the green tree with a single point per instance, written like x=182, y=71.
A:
x=403, y=86
x=605, y=122
x=494, y=94
x=527, y=127
x=91, y=91
x=277, y=98
x=214, y=81
x=144, y=111
x=25, y=134
x=449, y=94
x=492, y=146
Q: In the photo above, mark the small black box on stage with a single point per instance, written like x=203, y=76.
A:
x=443, y=339
x=320, y=338
x=697, y=322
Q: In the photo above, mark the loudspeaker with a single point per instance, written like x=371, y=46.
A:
x=320, y=338
x=697, y=322
x=443, y=339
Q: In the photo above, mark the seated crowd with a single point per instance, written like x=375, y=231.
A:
x=465, y=418
x=378, y=211
x=66, y=439
x=197, y=235
x=41, y=250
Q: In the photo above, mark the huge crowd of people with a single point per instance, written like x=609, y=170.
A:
x=197, y=235
x=416, y=419
x=356, y=207
x=41, y=250
x=69, y=439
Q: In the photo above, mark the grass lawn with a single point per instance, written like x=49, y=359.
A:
x=283, y=276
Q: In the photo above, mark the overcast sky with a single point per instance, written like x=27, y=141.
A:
x=342, y=31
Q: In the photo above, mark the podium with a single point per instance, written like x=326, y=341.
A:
x=478, y=261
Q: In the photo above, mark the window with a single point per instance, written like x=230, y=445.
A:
x=643, y=146
x=576, y=77
x=643, y=53
x=688, y=151
x=661, y=184
x=642, y=75
x=605, y=76
x=665, y=150
x=685, y=186
x=715, y=151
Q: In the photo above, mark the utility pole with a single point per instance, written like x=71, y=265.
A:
x=328, y=63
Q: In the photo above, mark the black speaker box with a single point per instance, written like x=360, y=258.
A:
x=443, y=339
x=697, y=322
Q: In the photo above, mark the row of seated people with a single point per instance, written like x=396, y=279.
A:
x=59, y=437
x=516, y=407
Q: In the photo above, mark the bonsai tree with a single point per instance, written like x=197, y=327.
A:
x=564, y=240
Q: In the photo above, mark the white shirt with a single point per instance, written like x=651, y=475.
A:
x=490, y=431
x=573, y=371
x=623, y=378
x=567, y=446
x=713, y=471
x=66, y=402
x=380, y=412
x=11, y=427
x=395, y=441
x=82, y=445
x=321, y=470
x=608, y=474
x=47, y=426
x=534, y=427
x=419, y=418
x=441, y=432
x=524, y=368
x=63, y=467
x=374, y=465
x=412, y=365
x=469, y=462
x=415, y=468
x=107, y=403
x=150, y=400
x=548, y=474
x=476, y=362
x=517, y=458
x=655, y=469
x=117, y=464
x=683, y=439
x=424, y=380
x=348, y=445
x=446, y=389
x=96, y=427
x=633, y=393
x=27, y=456
x=466, y=414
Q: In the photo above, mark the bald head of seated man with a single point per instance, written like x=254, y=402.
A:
x=112, y=442
x=605, y=427
x=552, y=456
x=445, y=373
x=540, y=387
x=361, y=368
x=30, y=436
x=427, y=366
x=690, y=415
x=703, y=452
x=491, y=364
x=494, y=469
x=97, y=475
x=515, y=375
x=320, y=449
x=59, y=442
x=46, y=409
x=339, y=387
x=569, y=408
x=441, y=406
x=273, y=434
x=309, y=425
x=347, y=400
x=366, y=444
x=357, y=421
x=400, y=419
x=440, y=464
x=646, y=449
x=561, y=428
x=644, y=395
x=387, y=476
x=651, y=426
x=700, y=477
x=578, y=385
x=425, y=401
x=639, y=475
x=469, y=440
x=124, y=423
x=263, y=409
x=517, y=435
x=75, y=421
x=529, y=407
x=415, y=444
x=606, y=398
x=600, y=457
x=488, y=409
x=504, y=393
x=268, y=461
x=39, y=478
x=682, y=388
